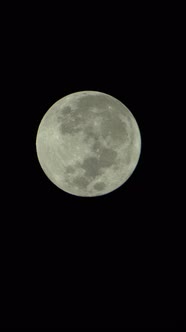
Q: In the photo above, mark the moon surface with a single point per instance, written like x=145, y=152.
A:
x=88, y=143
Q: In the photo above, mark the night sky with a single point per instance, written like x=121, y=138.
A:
x=109, y=261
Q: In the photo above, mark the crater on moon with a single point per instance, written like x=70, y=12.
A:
x=81, y=182
x=88, y=143
x=99, y=186
x=91, y=166
x=70, y=122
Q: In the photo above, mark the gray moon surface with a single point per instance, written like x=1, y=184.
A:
x=88, y=143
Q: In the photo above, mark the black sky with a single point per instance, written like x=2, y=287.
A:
x=111, y=261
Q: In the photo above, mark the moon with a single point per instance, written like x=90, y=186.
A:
x=88, y=143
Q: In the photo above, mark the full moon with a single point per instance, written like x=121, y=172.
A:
x=88, y=143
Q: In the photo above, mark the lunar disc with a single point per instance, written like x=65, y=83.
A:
x=88, y=143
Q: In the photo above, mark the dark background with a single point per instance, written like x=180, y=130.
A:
x=111, y=261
